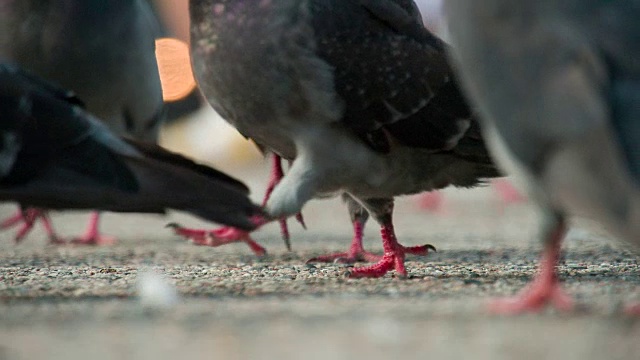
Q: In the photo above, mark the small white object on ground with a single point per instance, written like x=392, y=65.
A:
x=154, y=291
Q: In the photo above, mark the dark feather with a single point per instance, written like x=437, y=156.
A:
x=391, y=72
x=156, y=152
x=56, y=155
x=51, y=129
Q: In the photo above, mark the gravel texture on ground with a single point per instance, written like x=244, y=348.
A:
x=81, y=302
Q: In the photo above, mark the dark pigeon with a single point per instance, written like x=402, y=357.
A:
x=54, y=154
x=558, y=85
x=357, y=93
x=104, y=51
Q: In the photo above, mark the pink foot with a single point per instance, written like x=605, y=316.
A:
x=28, y=217
x=221, y=236
x=393, y=257
x=508, y=193
x=430, y=201
x=534, y=298
x=356, y=251
x=633, y=310
x=545, y=287
x=284, y=227
x=277, y=173
x=93, y=236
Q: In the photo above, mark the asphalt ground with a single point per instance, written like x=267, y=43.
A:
x=69, y=302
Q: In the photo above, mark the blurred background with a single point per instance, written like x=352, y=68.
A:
x=87, y=302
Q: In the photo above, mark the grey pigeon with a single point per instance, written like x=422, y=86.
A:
x=357, y=93
x=102, y=50
x=558, y=84
x=54, y=154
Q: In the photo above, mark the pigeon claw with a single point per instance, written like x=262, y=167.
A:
x=27, y=218
x=633, y=310
x=92, y=236
x=422, y=250
x=300, y=220
x=533, y=299
x=218, y=237
x=284, y=232
x=386, y=264
x=392, y=260
x=355, y=253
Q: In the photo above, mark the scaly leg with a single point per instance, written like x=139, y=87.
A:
x=545, y=287
x=222, y=236
x=92, y=236
x=28, y=217
x=356, y=252
x=227, y=235
x=394, y=253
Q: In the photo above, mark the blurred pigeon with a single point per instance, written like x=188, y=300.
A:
x=357, y=93
x=101, y=50
x=558, y=83
x=434, y=20
x=433, y=201
x=53, y=154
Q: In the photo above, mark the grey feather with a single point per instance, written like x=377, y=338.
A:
x=104, y=51
x=557, y=83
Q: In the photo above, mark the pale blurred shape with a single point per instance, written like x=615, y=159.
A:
x=155, y=292
x=174, y=65
x=209, y=139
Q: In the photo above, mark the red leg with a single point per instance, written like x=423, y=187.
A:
x=93, y=236
x=431, y=201
x=222, y=236
x=393, y=257
x=274, y=179
x=355, y=253
x=48, y=228
x=507, y=192
x=633, y=310
x=227, y=235
x=277, y=173
x=545, y=287
x=28, y=217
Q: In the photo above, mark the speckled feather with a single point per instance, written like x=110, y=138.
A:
x=391, y=77
x=387, y=77
x=358, y=92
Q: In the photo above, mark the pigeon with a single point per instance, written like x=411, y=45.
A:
x=56, y=155
x=557, y=84
x=101, y=50
x=357, y=94
x=433, y=201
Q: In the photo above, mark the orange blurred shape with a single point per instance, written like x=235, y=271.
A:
x=174, y=65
